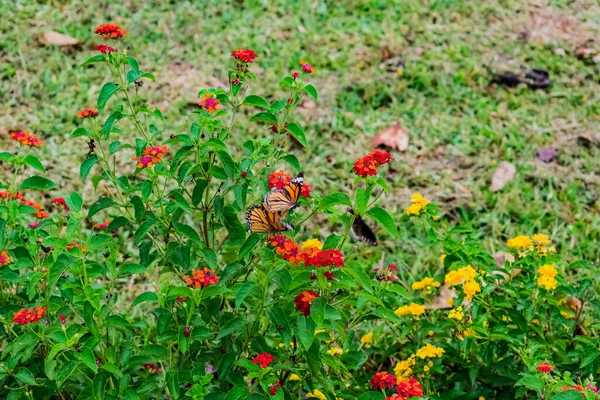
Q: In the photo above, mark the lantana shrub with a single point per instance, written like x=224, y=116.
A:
x=157, y=289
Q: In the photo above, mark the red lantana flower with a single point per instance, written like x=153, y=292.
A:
x=102, y=225
x=306, y=67
x=244, y=55
x=273, y=388
x=89, y=112
x=151, y=156
x=4, y=259
x=110, y=31
x=72, y=245
x=263, y=359
x=304, y=300
x=395, y=397
x=63, y=319
x=305, y=192
x=367, y=165
x=579, y=388
x=279, y=179
x=383, y=380
x=287, y=248
x=26, y=138
x=209, y=103
x=26, y=316
x=104, y=49
x=6, y=195
x=60, y=202
x=409, y=388
x=545, y=367
x=201, y=278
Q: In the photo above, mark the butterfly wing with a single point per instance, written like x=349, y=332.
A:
x=361, y=231
x=286, y=198
x=259, y=220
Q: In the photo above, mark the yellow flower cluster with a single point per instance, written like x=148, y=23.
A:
x=467, y=275
x=404, y=369
x=367, y=339
x=426, y=285
x=316, y=394
x=547, y=278
x=312, y=244
x=418, y=204
x=456, y=313
x=413, y=308
x=335, y=351
x=430, y=351
x=524, y=244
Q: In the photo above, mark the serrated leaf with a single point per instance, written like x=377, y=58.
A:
x=305, y=331
x=37, y=182
x=256, y=101
x=99, y=205
x=298, y=133
x=264, y=117
x=385, y=220
x=87, y=165
x=230, y=327
x=334, y=199
x=249, y=245
x=243, y=292
x=95, y=59
x=34, y=162
x=310, y=89
x=106, y=93
x=146, y=296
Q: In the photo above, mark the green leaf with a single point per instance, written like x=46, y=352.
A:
x=133, y=63
x=256, y=101
x=249, y=245
x=310, y=89
x=59, y=266
x=6, y=156
x=264, y=117
x=532, y=382
x=81, y=132
x=210, y=257
x=100, y=240
x=317, y=310
x=112, y=368
x=334, y=199
x=201, y=185
x=99, y=205
x=306, y=331
x=87, y=165
x=361, y=199
x=37, y=182
x=181, y=201
x=232, y=224
x=569, y=395
x=293, y=161
x=239, y=392
x=372, y=396
x=231, y=326
x=385, y=220
x=298, y=133
x=106, y=93
x=243, y=292
x=74, y=201
x=143, y=229
x=87, y=357
x=34, y=162
x=95, y=59
x=279, y=319
x=146, y=296
x=117, y=321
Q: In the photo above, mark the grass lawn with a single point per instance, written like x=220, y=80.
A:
x=460, y=126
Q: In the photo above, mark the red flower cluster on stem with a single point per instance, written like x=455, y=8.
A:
x=152, y=368
x=311, y=257
x=89, y=112
x=368, y=165
x=110, y=31
x=201, y=278
x=151, y=156
x=405, y=389
x=304, y=300
x=244, y=55
x=26, y=138
x=105, y=49
x=60, y=202
x=28, y=315
x=544, y=367
x=263, y=359
x=383, y=380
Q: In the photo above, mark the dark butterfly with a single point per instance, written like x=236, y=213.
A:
x=286, y=198
x=259, y=220
x=361, y=231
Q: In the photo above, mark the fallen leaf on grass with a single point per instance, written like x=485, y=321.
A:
x=52, y=38
x=503, y=174
x=394, y=137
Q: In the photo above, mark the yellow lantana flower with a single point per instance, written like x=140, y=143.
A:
x=413, y=308
x=430, y=351
x=312, y=244
x=456, y=313
x=316, y=394
x=367, y=339
x=418, y=204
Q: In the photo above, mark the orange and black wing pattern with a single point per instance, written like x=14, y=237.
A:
x=286, y=198
x=259, y=220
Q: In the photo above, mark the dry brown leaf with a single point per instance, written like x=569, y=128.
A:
x=394, y=137
x=503, y=174
x=52, y=38
x=574, y=304
x=441, y=302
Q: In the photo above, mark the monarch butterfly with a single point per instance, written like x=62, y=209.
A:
x=261, y=221
x=361, y=231
x=286, y=198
